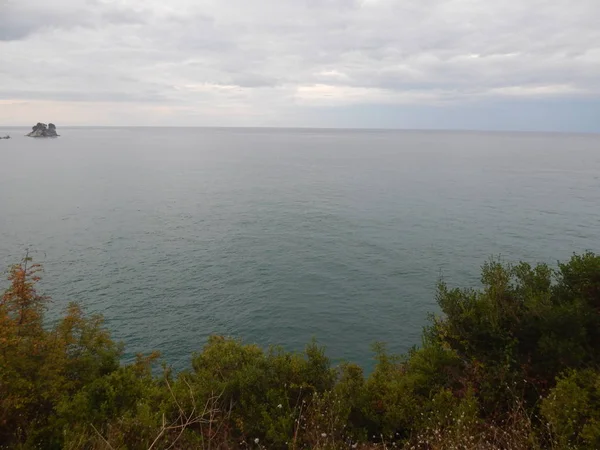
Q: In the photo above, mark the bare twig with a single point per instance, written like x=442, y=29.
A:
x=159, y=434
x=102, y=437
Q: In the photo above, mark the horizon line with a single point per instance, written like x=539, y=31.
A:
x=457, y=130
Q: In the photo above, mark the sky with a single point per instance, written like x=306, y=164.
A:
x=433, y=64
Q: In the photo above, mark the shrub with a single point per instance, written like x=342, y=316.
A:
x=524, y=346
x=40, y=368
x=523, y=328
x=261, y=394
x=572, y=409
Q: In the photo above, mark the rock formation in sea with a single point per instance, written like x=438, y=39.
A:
x=43, y=130
x=5, y=137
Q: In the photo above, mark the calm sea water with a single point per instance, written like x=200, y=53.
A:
x=276, y=236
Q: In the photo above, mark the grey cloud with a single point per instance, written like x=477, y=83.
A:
x=14, y=31
x=122, y=16
x=279, y=55
x=78, y=96
x=18, y=20
x=252, y=80
x=17, y=24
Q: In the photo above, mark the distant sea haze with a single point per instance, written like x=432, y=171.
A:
x=276, y=236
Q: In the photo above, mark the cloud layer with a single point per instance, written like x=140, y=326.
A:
x=290, y=62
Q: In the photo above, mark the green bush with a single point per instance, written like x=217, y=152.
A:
x=40, y=368
x=523, y=328
x=129, y=393
x=262, y=394
x=514, y=364
x=572, y=409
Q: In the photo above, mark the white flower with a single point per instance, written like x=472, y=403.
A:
x=256, y=441
x=280, y=406
x=323, y=434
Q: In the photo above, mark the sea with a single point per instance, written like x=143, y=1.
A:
x=281, y=236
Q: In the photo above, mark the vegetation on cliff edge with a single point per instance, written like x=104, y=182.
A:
x=515, y=364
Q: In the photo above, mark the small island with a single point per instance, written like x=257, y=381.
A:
x=5, y=137
x=43, y=130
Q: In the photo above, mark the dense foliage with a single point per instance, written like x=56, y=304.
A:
x=514, y=364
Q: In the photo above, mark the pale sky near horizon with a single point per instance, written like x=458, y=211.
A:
x=444, y=64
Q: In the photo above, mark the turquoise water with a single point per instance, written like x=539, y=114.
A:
x=276, y=236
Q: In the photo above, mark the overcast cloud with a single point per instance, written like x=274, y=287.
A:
x=521, y=64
